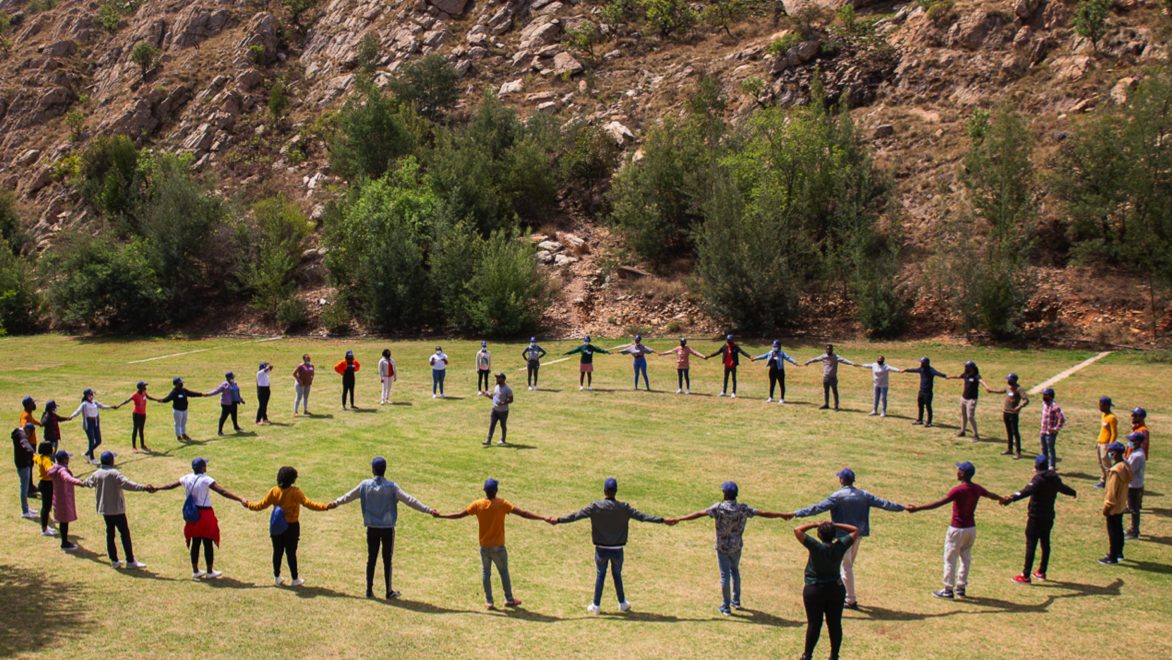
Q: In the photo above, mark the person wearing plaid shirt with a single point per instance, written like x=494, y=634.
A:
x=1052, y=422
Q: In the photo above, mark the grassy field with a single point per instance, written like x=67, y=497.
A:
x=669, y=453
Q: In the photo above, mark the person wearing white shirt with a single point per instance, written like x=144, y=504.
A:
x=502, y=396
x=483, y=368
x=205, y=530
x=89, y=409
x=263, y=392
x=880, y=376
x=387, y=374
x=439, y=369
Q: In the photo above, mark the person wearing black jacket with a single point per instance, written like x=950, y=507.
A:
x=178, y=399
x=928, y=374
x=730, y=355
x=22, y=457
x=1042, y=490
x=609, y=522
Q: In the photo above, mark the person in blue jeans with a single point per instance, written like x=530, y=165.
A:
x=640, y=353
x=439, y=369
x=730, y=516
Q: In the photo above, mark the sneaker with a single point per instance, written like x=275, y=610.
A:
x=1039, y=575
x=69, y=547
x=836, y=408
x=724, y=610
x=852, y=606
x=135, y=564
x=883, y=414
x=976, y=438
x=394, y=595
x=1100, y=485
x=1007, y=453
x=1108, y=560
x=687, y=392
x=116, y=564
x=589, y=388
x=581, y=388
x=960, y=434
x=917, y=423
x=370, y=593
x=433, y=396
x=501, y=443
x=30, y=515
x=733, y=395
x=1017, y=457
x=823, y=407
x=278, y=581
x=298, y=582
x=49, y=532
x=486, y=443
x=489, y=606
x=680, y=391
x=736, y=605
x=769, y=400
x=872, y=414
x=722, y=394
x=944, y=593
x=624, y=606
x=593, y=609
x=513, y=603
x=530, y=388
x=198, y=575
x=928, y=425
x=781, y=402
x=1021, y=579
x=213, y=575
x=1131, y=536
x=960, y=592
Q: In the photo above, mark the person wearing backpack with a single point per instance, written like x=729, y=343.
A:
x=202, y=527
x=483, y=369
x=230, y=401
x=284, y=524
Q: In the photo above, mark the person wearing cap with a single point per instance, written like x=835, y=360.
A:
x=483, y=368
x=199, y=486
x=490, y=512
x=302, y=383
x=609, y=525
x=823, y=594
x=532, y=355
x=1043, y=490
x=30, y=424
x=730, y=356
x=502, y=396
x=387, y=375
x=108, y=484
x=22, y=458
x=1115, y=502
x=346, y=368
x=178, y=398
x=586, y=353
x=970, y=392
x=1139, y=424
x=1015, y=400
x=881, y=381
x=264, y=391
x=775, y=359
x=90, y=408
x=830, y=361
x=380, y=499
x=51, y=421
x=1137, y=461
x=928, y=375
x=731, y=517
x=138, y=430
x=1053, y=420
x=42, y=463
x=850, y=506
x=439, y=369
x=230, y=401
x=64, y=502
x=683, y=352
x=962, y=531
x=639, y=352
x=1108, y=434
x=289, y=499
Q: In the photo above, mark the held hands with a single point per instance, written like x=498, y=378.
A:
x=435, y=513
x=1005, y=500
x=244, y=503
x=787, y=516
x=552, y=521
x=911, y=508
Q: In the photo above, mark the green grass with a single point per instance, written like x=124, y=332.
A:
x=669, y=453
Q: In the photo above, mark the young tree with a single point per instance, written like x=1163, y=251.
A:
x=429, y=84
x=1090, y=20
x=145, y=55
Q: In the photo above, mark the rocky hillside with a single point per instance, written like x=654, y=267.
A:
x=70, y=74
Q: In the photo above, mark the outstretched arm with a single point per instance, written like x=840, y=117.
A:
x=934, y=505
x=775, y=514
x=225, y=492
x=527, y=515
x=691, y=516
x=450, y=516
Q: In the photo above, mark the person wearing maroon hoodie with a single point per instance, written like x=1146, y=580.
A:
x=730, y=355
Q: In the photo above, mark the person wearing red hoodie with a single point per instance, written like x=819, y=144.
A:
x=346, y=368
x=730, y=355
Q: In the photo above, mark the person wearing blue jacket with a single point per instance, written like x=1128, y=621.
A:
x=776, y=359
x=380, y=511
x=851, y=506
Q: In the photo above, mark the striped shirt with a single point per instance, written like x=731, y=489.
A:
x=1052, y=418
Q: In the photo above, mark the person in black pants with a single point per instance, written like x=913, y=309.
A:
x=263, y=392
x=230, y=401
x=1042, y=490
x=730, y=355
x=285, y=541
x=776, y=359
x=346, y=369
x=532, y=354
x=824, y=595
x=924, y=399
x=1015, y=400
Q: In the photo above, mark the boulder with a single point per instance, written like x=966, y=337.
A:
x=64, y=48
x=540, y=32
x=265, y=31
x=196, y=24
x=564, y=64
x=1122, y=90
x=1025, y=9
x=451, y=7
x=618, y=132
x=883, y=131
x=550, y=246
x=511, y=87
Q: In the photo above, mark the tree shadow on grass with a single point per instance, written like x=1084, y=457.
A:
x=38, y=611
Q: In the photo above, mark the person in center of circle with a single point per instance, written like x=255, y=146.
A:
x=776, y=359
x=347, y=368
x=302, y=384
x=178, y=398
x=285, y=526
x=502, y=396
x=639, y=352
x=439, y=369
x=823, y=593
x=230, y=402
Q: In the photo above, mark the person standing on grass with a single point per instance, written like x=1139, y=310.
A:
x=90, y=408
x=928, y=375
x=30, y=423
x=639, y=352
x=962, y=531
x=138, y=430
x=1052, y=422
x=380, y=511
x=850, y=506
x=347, y=368
x=42, y=463
x=532, y=355
x=609, y=523
x=490, y=513
x=1108, y=435
x=881, y=380
x=64, y=502
x=22, y=458
x=302, y=383
x=206, y=529
x=1015, y=400
x=823, y=593
x=1139, y=424
x=1137, y=462
x=968, y=398
x=730, y=516
x=264, y=390
x=775, y=360
x=730, y=356
x=1115, y=502
x=1043, y=491
x=51, y=422
x=178, y=398
x=108, y=484
x=830, y=361
x=284, y=525
x=586, y=361
x=483, y=369
x=683, y=352
x=439, y=369
x=230, y=401
x=387, y=375
x=502, y=396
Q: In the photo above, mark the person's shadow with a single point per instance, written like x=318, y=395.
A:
x=762, y=619
x=999, y=606
x=513, y=445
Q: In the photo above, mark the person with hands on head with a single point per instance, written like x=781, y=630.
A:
x=830, y=361
x=730, y=516
x=439, y=369
x=109, y=484
x=962, y=530
x=730, y=356
x=1052, y=422
x=881, y=380
x=139, y=398
x=178, y=398
x=64, y=502
x=1137, y=461
x=90, y=409
x=586, y=353
x=347, y=367
x=1043, y=491
x=302, y=384
x=285, y=523
x=1108, y=435
x=387, y=375
x=639, y=352
x=683, y=365
x=968, y=398
x=928, y=375
x=775, y=359
x=532, y=355
x=205, y=529
x=490, y=513
x=823, y=594
x=230, y=401
x=1015, y=400
x=1115, y=502
x=264, y=390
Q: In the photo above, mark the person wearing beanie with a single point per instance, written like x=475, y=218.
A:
x=962, y=530
x=823, y=594
x=1108, y=434
x=1015, y=400
x=830, y=361
x=532, y=355
x=730, y=517
x=968, y=399
x=178, y=398
x=850, y=506
x=90, y=409
x=928, y=375
x=230, y=401
x=22, y=457
x=1043, y=490
x=1052, y=422
x=730, y=356
x=51, y=421
x=347, y=367
x=881, y=382
x=1139, y=424
x=285, y=526
x=138, y=430
x=264, y=391
x=108, y=484
x=1115, y=502
x=483, y=369
x=205, y=528
x=502, y=396
x=387, y=375
x=1137, y=462
x=775, y=360
x=64, y=502
x=302, y=384
x=380, y=499
x=439, y=369
x=683, y=353
x=490, y=512
x=42, y=463
x=639, y=352
x=586, y=353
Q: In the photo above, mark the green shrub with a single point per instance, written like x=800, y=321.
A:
x=292, y=314
x=507, y=293
x=5, y=26
x=429, y=84
x=336, y=316
x=277, y=239
x=105, y=285
x=145, y=55
x=781, y=45
x=109, y=175
x=723, y=14
x=583, y=38
x=366, y=61
x=278, y=103
x=109, y=17
x=369, y=135
x=19, y=301
x=671, y=18
x=1090, y=20
x=587, y=158
x=12, y=230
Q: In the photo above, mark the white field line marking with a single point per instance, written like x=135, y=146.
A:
x=198, y=350
x=570, y=357
x=1081, y=365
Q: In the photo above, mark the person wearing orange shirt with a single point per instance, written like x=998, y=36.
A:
x=1139, y=424
x=1108, y=433
x=285, y=528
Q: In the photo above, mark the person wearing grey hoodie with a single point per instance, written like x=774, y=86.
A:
x=380, y=511
x=109, y=484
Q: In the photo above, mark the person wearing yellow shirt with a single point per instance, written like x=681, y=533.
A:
x=1115, y=502
x=43, y=462
x=285, y=529
x=1108, y=433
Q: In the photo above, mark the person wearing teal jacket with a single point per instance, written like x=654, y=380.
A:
x=586, y=365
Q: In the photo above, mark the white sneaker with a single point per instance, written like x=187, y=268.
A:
x=722, y=394
x=49, y=532
x=883, y=414
x=298, y=582
x=30, y=515
x=769, y=400
x=624, y=606
x=433, y=396
x=872, y=413
x=213, y=575
x=198, y=575
x=733, y=395
x=590, y=388
x=278, y=581
x=116, y=564
x=679, y=391
x=781, y=402
x=687, y=391
x=593, y=609
x=135, y=564
x=580, y=388
x=530, y=388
